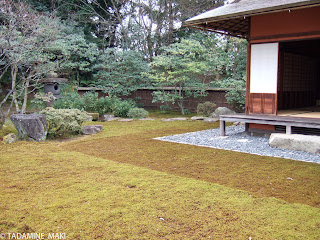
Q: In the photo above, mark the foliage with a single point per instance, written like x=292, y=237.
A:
x=121, y=108
x=70, y=100
x=165, y=108
x=64, y=122
x=7, y=128
x=24, y=38
x=120, y=72
x=137, y=113
x=91, y=102
x=181, y=67
x=41, y=100
x=206, y=108
x=78, y=54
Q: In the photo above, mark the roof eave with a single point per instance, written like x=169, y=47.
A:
x=312, y=3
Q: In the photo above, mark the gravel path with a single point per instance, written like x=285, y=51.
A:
x=238, y=141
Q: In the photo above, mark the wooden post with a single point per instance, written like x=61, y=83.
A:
x=288, y=129
x=246, y=127
x=222, y=128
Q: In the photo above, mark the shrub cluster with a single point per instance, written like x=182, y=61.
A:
x=206, y=108
x=137, y=113
x=90, y=102
x=64, y=122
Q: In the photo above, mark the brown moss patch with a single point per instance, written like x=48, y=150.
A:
x=292, y=181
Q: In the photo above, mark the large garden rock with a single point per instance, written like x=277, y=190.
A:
x=30, y=126
x=222, y=111
x=91, y=129
x=295, y=142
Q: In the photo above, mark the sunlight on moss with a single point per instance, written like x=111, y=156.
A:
x=119, y=184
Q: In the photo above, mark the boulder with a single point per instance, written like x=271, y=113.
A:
x=108, y=117
x=222, y=111
x=30, y=126
x=295, y=142
x=10, y=138
x=91, y=129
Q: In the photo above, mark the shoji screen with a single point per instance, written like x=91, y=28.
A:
x=264, y=68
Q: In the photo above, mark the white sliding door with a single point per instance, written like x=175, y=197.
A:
x=264, y=68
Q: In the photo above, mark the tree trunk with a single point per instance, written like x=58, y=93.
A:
x=25, y=97
x=14, y=72
x=171, y=19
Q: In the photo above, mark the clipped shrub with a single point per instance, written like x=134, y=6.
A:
x=91, y=100
x=120, y=108
x=64, y=122
x=206, y=108
x=137, y=113
x=70, y=100
x=165, y=108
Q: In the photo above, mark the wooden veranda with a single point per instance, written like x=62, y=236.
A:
x=288, y=123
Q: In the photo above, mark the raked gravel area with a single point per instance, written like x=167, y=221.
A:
x=238, y=140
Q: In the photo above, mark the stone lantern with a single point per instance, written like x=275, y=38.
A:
x=52, y=84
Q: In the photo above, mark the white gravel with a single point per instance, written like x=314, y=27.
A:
x=238, y=140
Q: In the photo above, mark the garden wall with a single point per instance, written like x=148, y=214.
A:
x=144, y=96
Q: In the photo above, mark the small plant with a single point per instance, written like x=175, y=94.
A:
x=206, y=108
x=165, y=108
x=7, y=128
x=186, y=111
x=64, y=122
x=137, y=113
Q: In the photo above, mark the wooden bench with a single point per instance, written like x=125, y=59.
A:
x=286, y=121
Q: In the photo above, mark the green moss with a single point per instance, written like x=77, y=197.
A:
x=121, y=184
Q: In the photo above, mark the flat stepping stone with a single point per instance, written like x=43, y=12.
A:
x=125, y=120
x=167, y=120
x=210, y=119
x=198, y=118
x=179, y=119
x=146, y=119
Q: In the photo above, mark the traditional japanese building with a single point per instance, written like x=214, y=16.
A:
x=283, y=66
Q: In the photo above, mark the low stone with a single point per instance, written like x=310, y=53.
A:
x=295, y=142
x=210, y=119
x=95, y=116
x=125, y=120
x=30, y=126
x=167, y=120
x=179, y=119
x=146, y=119
x=91, y=129
x=222, y=111
x=10, y=138
x=198, y=118
x=108, y=117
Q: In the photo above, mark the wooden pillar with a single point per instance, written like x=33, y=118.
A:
x=246, y=127
x=222, y=128
x=288, y=129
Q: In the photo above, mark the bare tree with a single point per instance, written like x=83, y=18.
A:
x=24, y=38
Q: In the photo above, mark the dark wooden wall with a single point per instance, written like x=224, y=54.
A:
x=144, y=96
